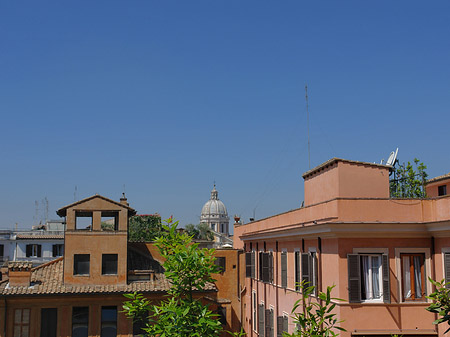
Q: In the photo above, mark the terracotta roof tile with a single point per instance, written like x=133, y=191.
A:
x=48, y=279
x=39, y=237
x=439, y=178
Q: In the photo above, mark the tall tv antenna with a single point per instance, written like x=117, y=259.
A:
x=307, y=122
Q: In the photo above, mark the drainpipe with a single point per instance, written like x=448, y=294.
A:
x=433, y=272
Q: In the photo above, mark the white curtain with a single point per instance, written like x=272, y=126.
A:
x=407, y=277
x=366, y=277
x=376, y=276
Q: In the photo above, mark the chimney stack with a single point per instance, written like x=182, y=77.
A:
x=123, y=200
x=19, y=273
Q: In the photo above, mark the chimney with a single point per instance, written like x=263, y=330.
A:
x=19, y=273
x=123, y=200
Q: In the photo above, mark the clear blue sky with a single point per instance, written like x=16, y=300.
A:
x=165, y=97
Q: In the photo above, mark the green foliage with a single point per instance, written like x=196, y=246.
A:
x=315, y=318
x=144, y=227
x=106, y=226
x=202, y=231
x=188, y=270
x=441, y=302
x=410, y=181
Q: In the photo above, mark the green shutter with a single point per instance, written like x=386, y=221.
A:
x=285, y=323
x=253, y=265
x=447, y=269
x=354, y=278
x=270, y=258
x=297, y=271
x=269, y=323
x=248, y=264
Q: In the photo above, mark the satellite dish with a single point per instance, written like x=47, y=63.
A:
x=392, y=158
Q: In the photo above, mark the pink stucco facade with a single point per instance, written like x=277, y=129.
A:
x=348, y=214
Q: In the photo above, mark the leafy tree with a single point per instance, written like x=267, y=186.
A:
x=441, y=302
x=144, y=227
x=202, y=231
x=315, y=318
x=188, y=270
x=409, y=181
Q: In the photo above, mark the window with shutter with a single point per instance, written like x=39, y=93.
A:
x=269, y=323
x=285, y=323
x=297, y=271
x=284, y=269
x=253, y=269
x=354, y=278
x=306, y=269
x=447, y=269
x=280, y=326
x=221, y=263
x=248, y=264
x=28, y=250
x=261, y=314
x=270, y=268
x=368, y=278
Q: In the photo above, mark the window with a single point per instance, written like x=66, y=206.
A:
x=83, y=220
x=266, y=267
x=297, y=270
x=309, y=269
x=222, y=312
x=442, y=190
x=284, y=269
x=22, y=322
x=250, y=264
x=49, y=320
x=222, y=228
x=368, y=277
x=269, y=323
x=109, y=322
x=213, y=226
x=221, y=262
x=81, y=264
x=447, y=269
x=138, y=325
x=282, y=325
x=413, y=276
x=261, y=315
x=58, y=250
x=109, y=264
x=109, y=221
x=2, y=252
x=34, y=250
x=80, y=321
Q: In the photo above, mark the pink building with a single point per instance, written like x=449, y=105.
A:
x=378, y=252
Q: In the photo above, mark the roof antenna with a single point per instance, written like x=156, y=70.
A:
x=307, y=119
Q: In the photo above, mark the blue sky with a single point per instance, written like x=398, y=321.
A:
x=166, y=97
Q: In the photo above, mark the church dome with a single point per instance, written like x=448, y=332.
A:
x=215, y=213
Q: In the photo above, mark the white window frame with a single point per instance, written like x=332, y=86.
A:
x=374, y=251
x=398, y=265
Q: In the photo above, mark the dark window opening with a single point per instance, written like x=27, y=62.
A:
x=442, y=190
x=49, y=320
x=110, y=221
x=83, y=220
x=81, y=264
x=222, y=312
x=109, y=322
x=2, y=252
x=80, y=321
x=34, y=250
x=109, y=264
x=221, y=262
x=298, y=277
x=58, y=250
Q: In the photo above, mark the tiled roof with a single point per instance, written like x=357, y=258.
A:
x=39, y=237
x=20, y=265
x=47, y=279
x=439, y=178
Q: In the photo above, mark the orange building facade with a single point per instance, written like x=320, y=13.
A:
x=81, y=293
x=377, y=251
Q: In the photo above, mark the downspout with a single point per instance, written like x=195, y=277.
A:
x=433, y=274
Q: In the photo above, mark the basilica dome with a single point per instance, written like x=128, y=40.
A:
x=215, y=214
